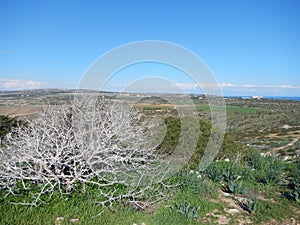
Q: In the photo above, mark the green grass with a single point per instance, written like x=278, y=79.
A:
x=194, y=190
x=200, y=107
x=82, y=207
x=153, y=107
x=268, y=210
x=206, y=107
x=202, y=192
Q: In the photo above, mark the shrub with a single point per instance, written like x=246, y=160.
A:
x=231, y=173
x=7, y=124
x=250, y=204
x=194, y=183
x=295, y=181
x=295, y=192
x=191, y=212
x=268, y=169
x=172, y=135
x=214, y=172
x=95, y=142
x=236, y=186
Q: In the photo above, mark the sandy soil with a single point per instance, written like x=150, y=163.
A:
x=19, y=111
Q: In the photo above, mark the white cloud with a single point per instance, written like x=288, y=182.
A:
x=241, y=89
x=185, y=85
x=18, y=84
x=227, y=85
x=288, y=86
x=230, y=85
x=285, y=86
x=202, y=85
x=249, y=85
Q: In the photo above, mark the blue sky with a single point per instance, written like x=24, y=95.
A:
x=252, y=47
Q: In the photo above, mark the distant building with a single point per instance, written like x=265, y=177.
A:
x=286, y=126
x=257, y=97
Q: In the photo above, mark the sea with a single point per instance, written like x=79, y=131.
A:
x=287, y=98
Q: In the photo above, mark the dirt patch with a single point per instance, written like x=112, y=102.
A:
x=231, y=214
x=291, y=221
x=152, y=105
x=273, y=151
x=290, y=134
x=19, y=111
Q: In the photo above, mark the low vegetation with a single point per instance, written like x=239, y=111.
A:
x=195, y=197
x=240, y=186
x=8, y=123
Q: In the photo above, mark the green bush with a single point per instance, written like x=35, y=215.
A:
x=168, y=145
x=233, y=177
x=194, y=183
x=251, y=204
x=295, y=192
x=186, y=209
x=228, y=149
x=294, y=184
x=267, y=169
x=214, y=172
x=231, y=173
x=236, y=186
x=295, y=171
x=7, y=124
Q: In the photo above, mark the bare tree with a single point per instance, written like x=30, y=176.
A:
x=93, y=141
